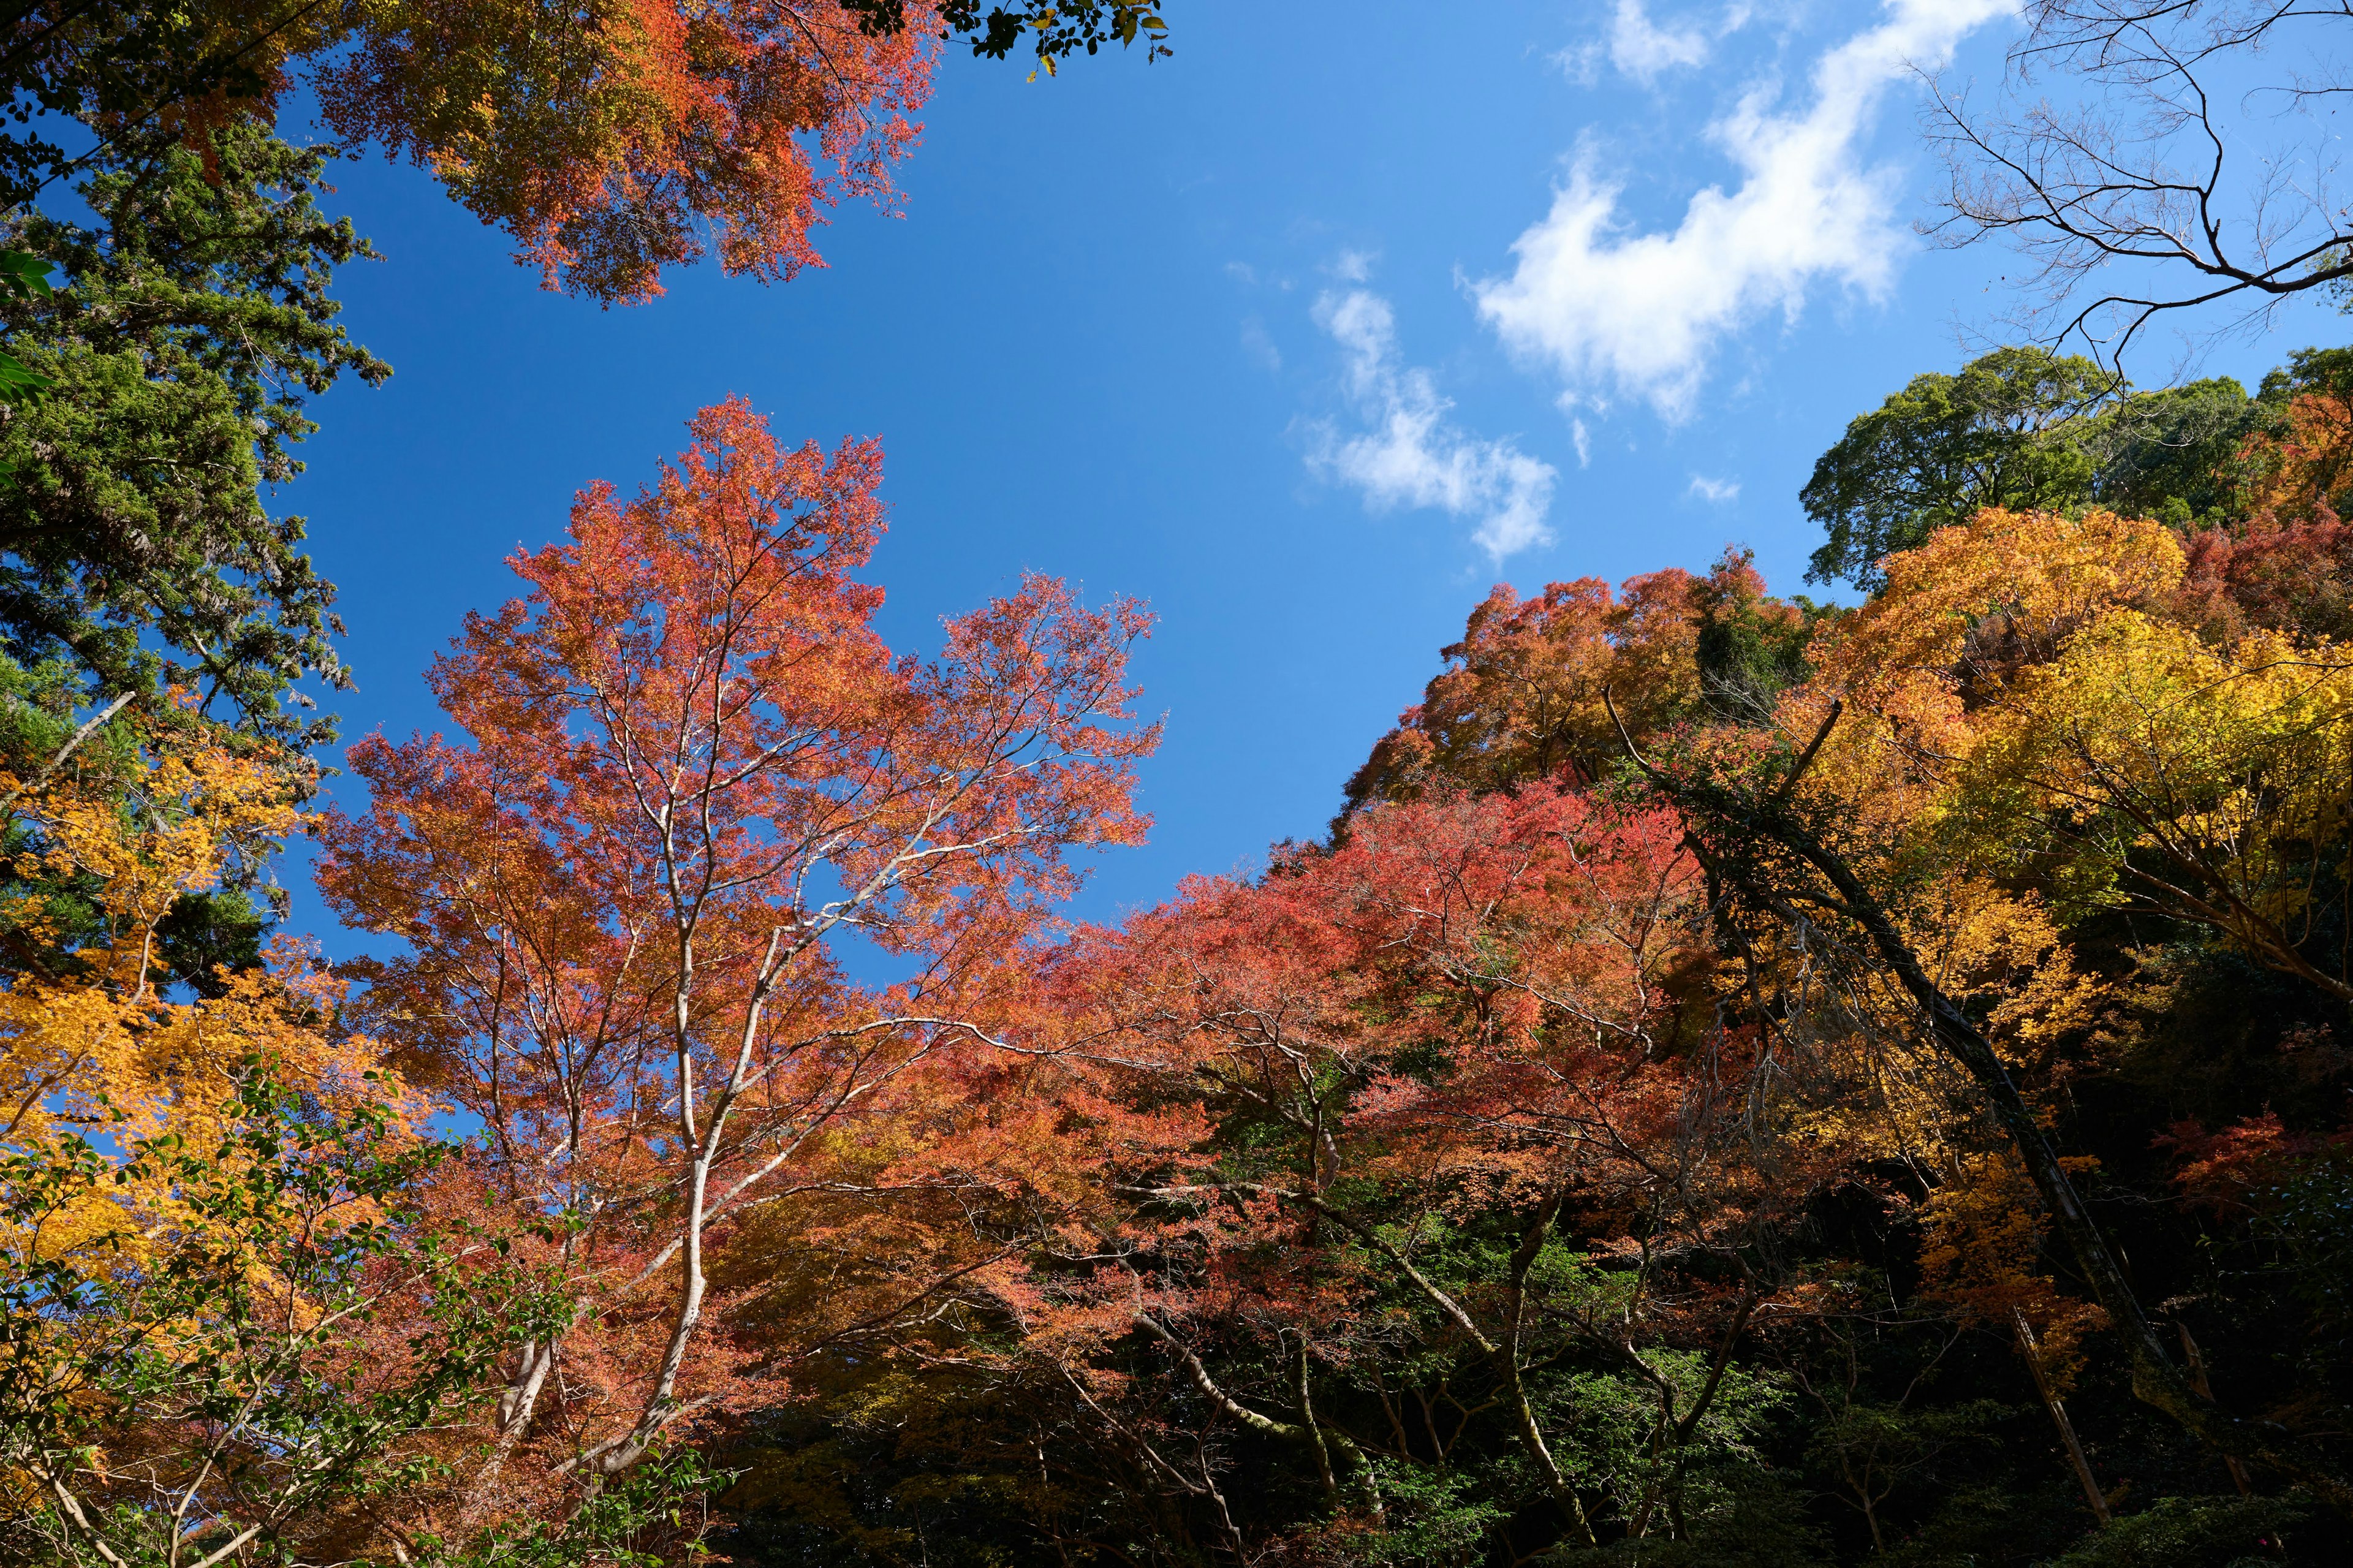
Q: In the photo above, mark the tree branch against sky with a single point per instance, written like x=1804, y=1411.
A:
x=2156, y=163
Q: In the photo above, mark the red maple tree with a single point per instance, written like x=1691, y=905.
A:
x=700, y=916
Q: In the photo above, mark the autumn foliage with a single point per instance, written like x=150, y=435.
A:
x=1741, y=1082
x=693, y=772
x=609, y=142
x=1522, y=696
x=638, y=135
x=1740, y=1079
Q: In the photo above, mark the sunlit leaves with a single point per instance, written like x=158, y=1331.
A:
x=700, y=805
x=2208, y=785
x=638, y=135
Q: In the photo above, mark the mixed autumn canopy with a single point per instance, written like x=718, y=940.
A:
x=1738, y=1074
x=610, y=140
x=1742, y=1080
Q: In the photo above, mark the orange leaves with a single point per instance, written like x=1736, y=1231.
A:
x=2226, y=1171
x=2266, y=574
x=1387, y=1108
x=630, y=136
x=695, y=773
x=196, y=805
x=154, y=809
x=739, y=556
x=1473, y=1001
x=1481, y=923
x=2303, y=472
x=1536, y=905
x=2023, y=700
x=695, y=686
x=1975, y=602
x=1981, y=1257
x=1522, y=696
x=610, y=139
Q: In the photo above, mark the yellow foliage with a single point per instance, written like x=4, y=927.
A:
x=189, y=801
x=1989, y=944
x=2018, y=705
x=1980, y=1253
x=89, y=1047
x=1996, y=952
x=1960, y=616
x=2004, y=581
x=2156, y=770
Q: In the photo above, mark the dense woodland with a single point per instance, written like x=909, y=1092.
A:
x=1744, y=1078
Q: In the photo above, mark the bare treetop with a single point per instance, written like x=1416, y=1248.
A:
x=2153, y=158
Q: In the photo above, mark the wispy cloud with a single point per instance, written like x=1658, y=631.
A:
x=1642, y=313
x=1412, y=455
x=1643, y=49
x=1258, y=345
x=1716, y=490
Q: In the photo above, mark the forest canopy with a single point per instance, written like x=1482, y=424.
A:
x=1744, y=1079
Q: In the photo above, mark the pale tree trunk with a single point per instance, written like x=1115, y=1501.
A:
x=2028, y=1348
x=1312, y=1436
x=516, y=1407
x=1503, y=1357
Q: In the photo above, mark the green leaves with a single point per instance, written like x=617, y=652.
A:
x=22, y=276
x=1052, y=29
x=18, y=384
x=154, y=402
x=2025, y=429
x=1993, y=435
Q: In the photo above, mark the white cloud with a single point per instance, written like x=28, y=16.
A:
x=1645, y=311
x=1641, y=48
x=1584, y=439
x=1258, y=346
x=1716, y=490
x=1353, y=266
x=1414, y=456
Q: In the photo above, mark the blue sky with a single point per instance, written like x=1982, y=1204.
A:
x=1307, y=336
